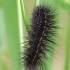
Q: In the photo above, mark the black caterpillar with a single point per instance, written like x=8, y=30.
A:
x=40, y=35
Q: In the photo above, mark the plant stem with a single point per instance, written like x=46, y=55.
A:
x=38, y=2
x=24, y=14
x=67, y=59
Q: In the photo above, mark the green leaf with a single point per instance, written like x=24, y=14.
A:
x=64, y=4
x=11, y=18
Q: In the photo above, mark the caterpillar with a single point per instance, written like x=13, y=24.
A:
x=42, y=30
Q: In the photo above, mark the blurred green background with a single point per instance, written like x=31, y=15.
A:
x=12, y=28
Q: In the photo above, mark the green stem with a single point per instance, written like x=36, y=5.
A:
x=24, y=14
x=38, y=2
x=67, y=59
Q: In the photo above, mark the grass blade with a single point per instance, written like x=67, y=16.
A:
x=24, y=14
x=38, y=2
x=67, y=53
x=11, y=18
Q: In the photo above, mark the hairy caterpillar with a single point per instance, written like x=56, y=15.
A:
x=40, y=35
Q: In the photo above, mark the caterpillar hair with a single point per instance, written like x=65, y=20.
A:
x=42, y=30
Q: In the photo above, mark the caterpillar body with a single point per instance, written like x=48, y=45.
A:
x=40, y=35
